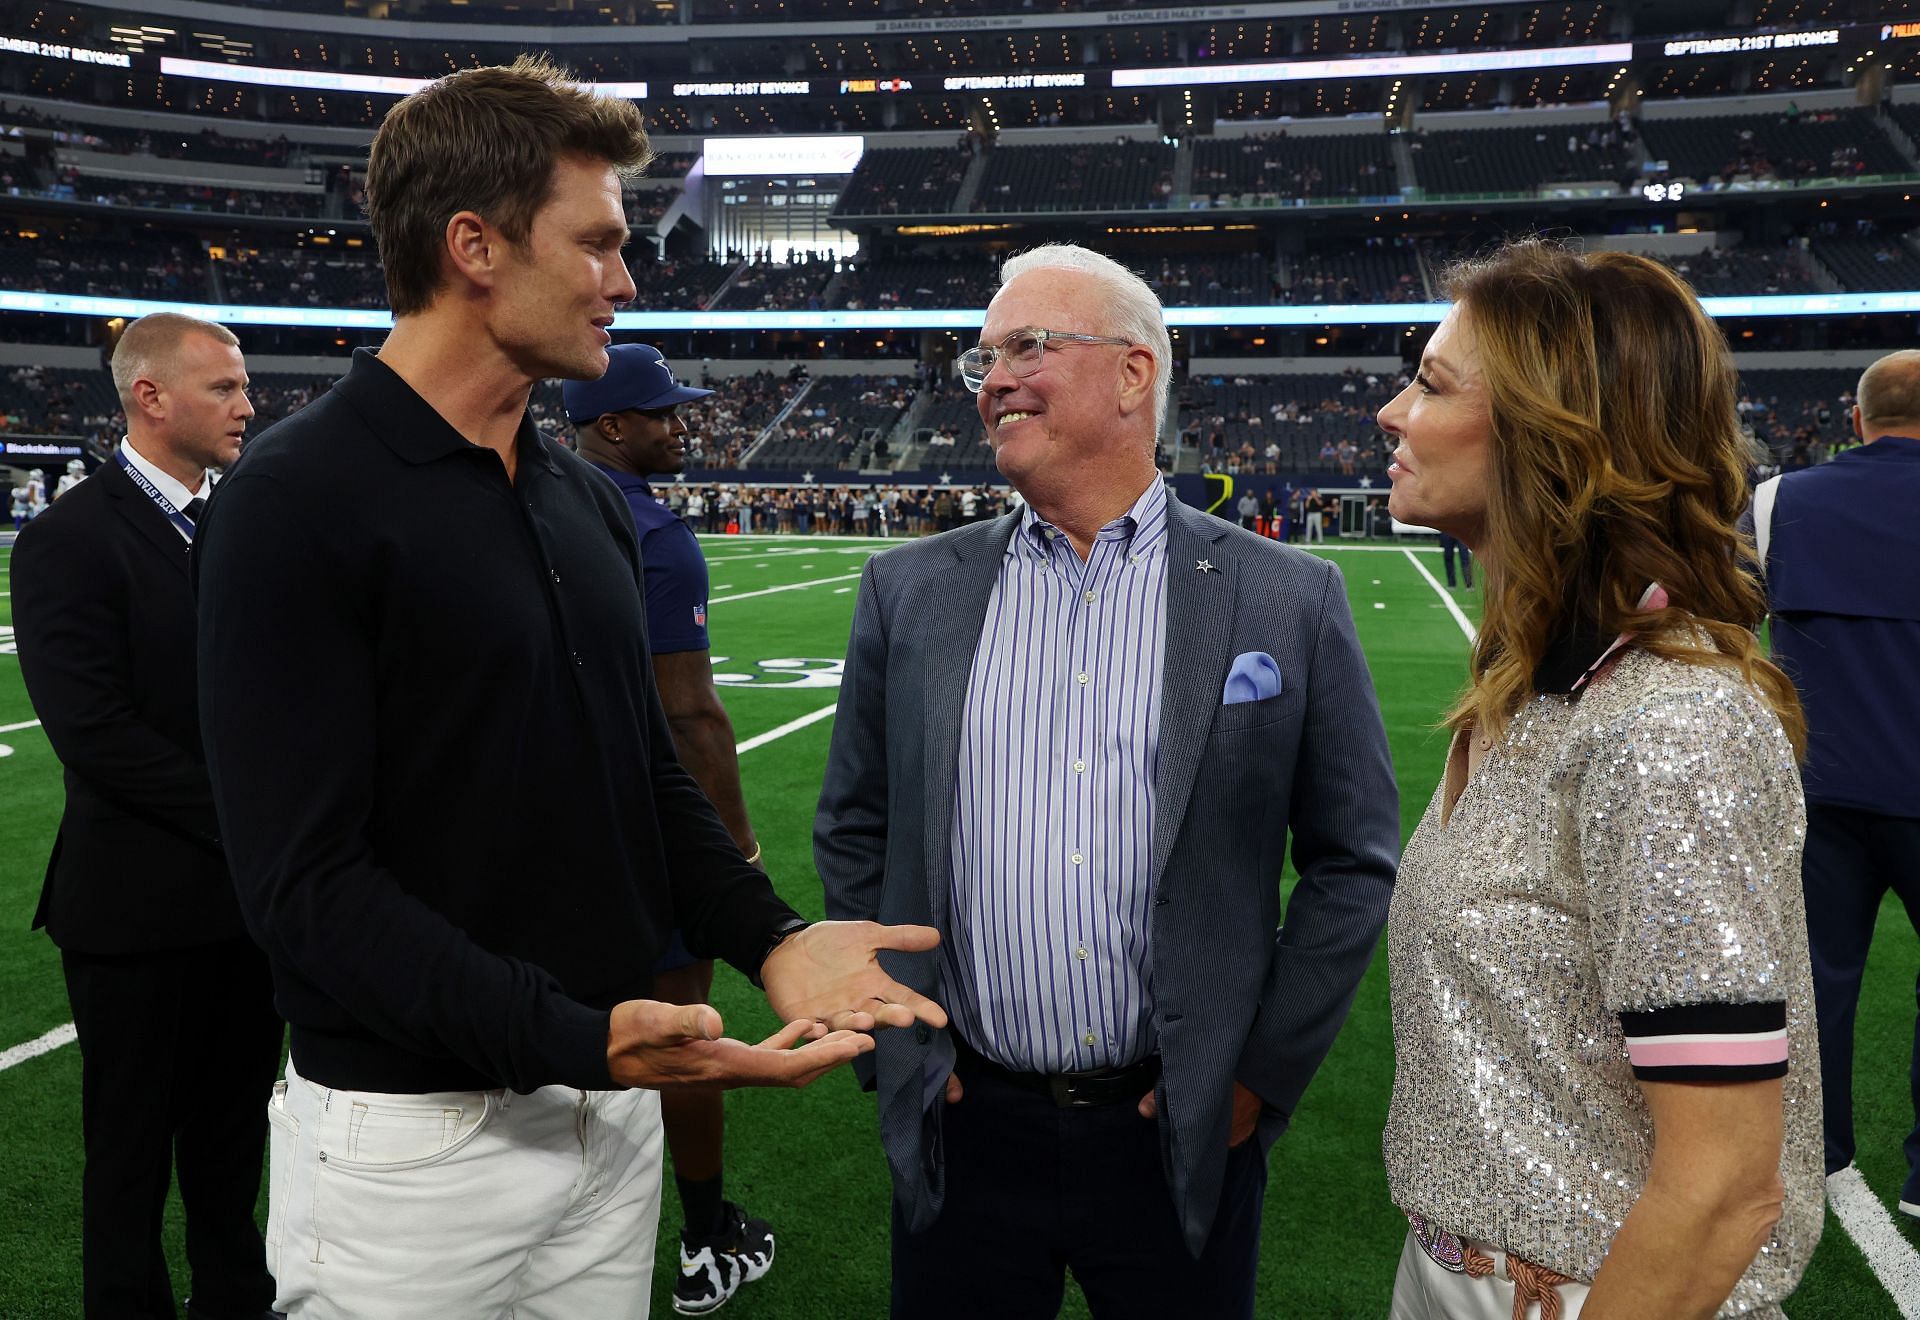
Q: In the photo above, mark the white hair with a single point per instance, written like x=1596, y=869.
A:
x=1133, y=309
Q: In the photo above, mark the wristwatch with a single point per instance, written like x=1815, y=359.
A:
x=780, y=932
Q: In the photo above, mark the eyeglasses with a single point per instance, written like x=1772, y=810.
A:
x=1022, y=351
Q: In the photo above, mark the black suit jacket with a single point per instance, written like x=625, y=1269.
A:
x=103, y=617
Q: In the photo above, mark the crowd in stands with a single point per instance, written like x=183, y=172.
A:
x=818, y=510
x=1488, y=160
x=55, y=401
x=675, y=284
x=1274, y=166
x=841, y=422
x=1725, y=272
x=905, y=180
x=933, y=282
x=723, y=426
x=1081, y=176
x=304, y=277
x=72, y=185
x=1863, y=255
x=40, y=400
x=1229, y=280
x=1796, y=146
x=1248, y=425
x=1798, y=417
x=1380, y=270
x=126, y=269
x=781, y=286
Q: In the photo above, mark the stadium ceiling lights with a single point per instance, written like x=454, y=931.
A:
x=907, y=318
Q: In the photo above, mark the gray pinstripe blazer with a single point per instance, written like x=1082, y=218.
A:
x=1236, y=998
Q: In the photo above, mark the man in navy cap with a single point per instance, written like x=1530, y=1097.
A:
x=628, y=425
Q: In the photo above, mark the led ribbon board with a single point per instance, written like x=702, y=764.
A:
x=908, y=318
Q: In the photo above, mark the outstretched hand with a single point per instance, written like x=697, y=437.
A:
x=829, y=973
x=661, y=1046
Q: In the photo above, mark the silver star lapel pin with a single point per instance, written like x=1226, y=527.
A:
x=1204, y=566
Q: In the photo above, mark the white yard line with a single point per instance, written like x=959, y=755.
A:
x=15, y=728
x=1872, y=1229
x=791, y=586
x=1446, y=597
x=791, y=726
x=33, y=1049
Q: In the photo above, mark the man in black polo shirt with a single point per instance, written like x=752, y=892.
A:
x=446, y=785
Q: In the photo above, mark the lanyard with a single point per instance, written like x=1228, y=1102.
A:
x=174, y=516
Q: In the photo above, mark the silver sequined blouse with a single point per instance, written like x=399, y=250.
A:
x=1633, y=850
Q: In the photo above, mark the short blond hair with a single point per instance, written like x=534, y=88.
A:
x=147, y=347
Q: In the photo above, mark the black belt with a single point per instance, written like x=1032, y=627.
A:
x=1077, y=1090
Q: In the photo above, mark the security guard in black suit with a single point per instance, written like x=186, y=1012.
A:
x=173, y=1003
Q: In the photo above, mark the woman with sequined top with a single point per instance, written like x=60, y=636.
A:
x=1606, y=1101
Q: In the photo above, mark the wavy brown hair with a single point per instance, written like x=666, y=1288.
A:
x=1617, y=460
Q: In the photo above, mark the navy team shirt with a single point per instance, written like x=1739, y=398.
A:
x=1846, y=622
x=676, y=571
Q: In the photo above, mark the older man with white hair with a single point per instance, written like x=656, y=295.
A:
x=1094, y=812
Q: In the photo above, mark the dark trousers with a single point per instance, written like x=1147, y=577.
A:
x=1448, y=545
x=1034, y=1190
x=1852, y=859
x=178, y=1054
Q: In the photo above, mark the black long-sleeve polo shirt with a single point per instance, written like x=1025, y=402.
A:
x=448, y=792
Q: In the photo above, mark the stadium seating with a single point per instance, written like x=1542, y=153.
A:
x=1286, y=423
x=837, y=422
x=1752, y=149
x=766, y=285
x=1085, y=176
x=1376, y=272
x=905, y=180
x=675, y=285
x=966, y=281
x=306, y=277
x=1727, y=272
x=1211, y=281
x=1789, y=408
x=144, y=270
x=1493, y=160
x=1258, y=167
x=1883, y=263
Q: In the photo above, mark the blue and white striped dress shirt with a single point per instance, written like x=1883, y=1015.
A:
x=1053, y=800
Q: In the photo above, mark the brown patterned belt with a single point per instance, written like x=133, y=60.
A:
x=1533, y=1285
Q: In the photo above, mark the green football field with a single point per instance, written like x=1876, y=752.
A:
x=810, y=1161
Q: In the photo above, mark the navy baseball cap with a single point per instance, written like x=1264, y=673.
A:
x=637, y=377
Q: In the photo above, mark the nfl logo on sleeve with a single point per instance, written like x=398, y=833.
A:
x=700, y=615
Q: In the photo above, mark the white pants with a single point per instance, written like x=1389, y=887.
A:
x=470, y=1205
x=1314, y=524
x=1423, y=1290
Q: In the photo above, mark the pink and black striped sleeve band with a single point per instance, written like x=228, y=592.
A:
x=1708, y=1042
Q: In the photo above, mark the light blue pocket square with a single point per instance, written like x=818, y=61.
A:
x=1254, y=677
